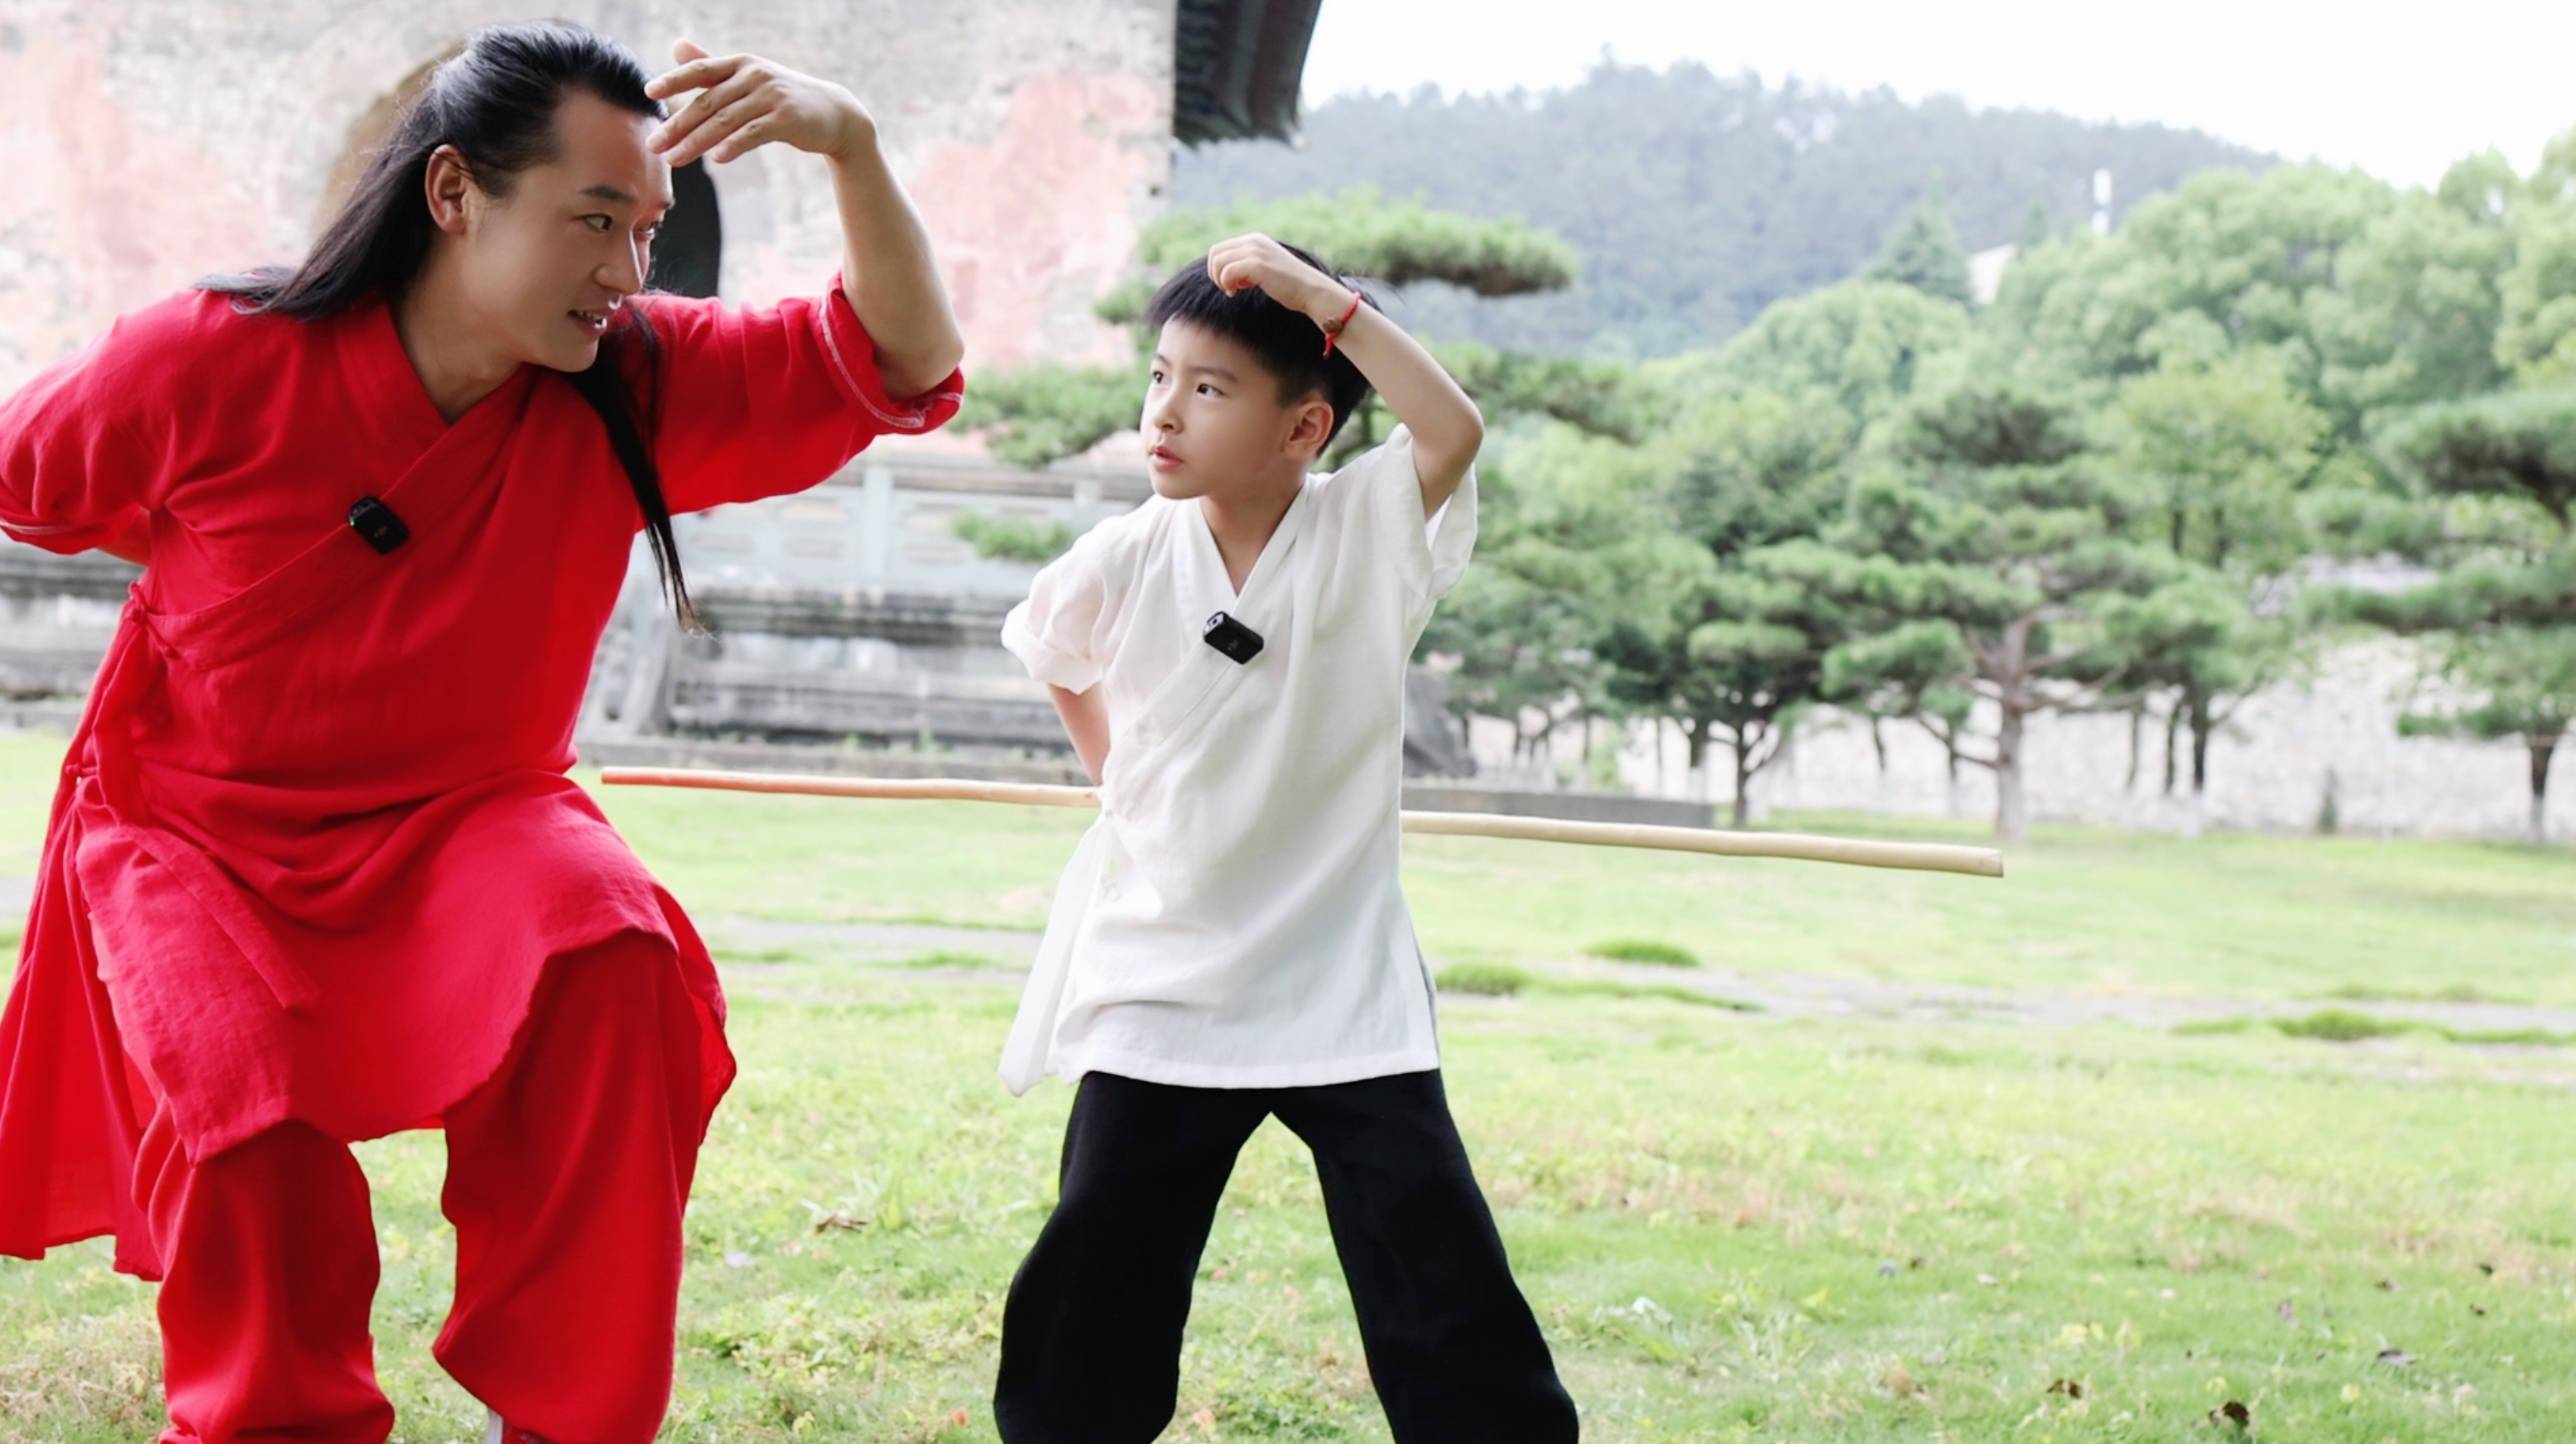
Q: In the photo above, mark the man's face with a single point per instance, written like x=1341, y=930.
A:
x=547, y=266
x=1213, y=417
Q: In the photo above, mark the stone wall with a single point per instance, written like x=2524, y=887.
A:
x=155, y=141
x=2268, y=767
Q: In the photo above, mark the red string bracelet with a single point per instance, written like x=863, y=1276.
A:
x=1334, y=331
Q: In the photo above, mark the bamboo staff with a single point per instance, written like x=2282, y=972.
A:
x=1916, y=856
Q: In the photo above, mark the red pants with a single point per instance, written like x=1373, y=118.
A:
x=566, y=1176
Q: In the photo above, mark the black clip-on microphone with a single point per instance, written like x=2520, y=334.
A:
x=1238, y=642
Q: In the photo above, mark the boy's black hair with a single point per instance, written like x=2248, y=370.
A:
x=1289, y=345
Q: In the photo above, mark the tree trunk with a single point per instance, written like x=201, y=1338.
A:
x=2542, y=749
x=2010, y=823
x=1957, y=801
x=1696, y=756
x=2137, y=745
x=1743, y=808
x=2009, y=670
x=2200, y=726
x=1878, y=744
x=2173, y=732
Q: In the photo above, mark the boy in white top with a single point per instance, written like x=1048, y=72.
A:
x=1230, y=941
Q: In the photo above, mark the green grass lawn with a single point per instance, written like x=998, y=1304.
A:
x=2083, y=909
x=1733, y=1226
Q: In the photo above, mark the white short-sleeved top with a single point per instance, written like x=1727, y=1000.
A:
x=1236, y=919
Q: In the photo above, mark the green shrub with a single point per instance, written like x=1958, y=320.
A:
x=1493, y=980
x=1644, y=950
x=2340, y=1025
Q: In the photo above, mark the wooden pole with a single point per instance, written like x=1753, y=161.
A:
x=1911, y=856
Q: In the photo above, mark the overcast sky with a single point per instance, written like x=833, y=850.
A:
x=2401, y=96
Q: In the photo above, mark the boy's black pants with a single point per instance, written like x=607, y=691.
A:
x=1091, y=1336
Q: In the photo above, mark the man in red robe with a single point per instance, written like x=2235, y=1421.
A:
x=315, y=872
